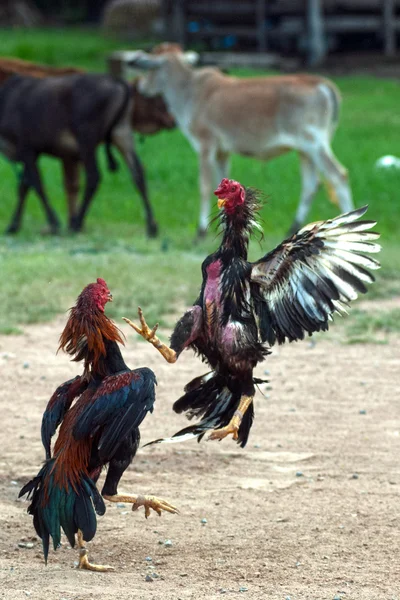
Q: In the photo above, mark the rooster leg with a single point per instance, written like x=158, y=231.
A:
x=150, y=335
x=234, y=423
x=84, y=561
x=157, y=504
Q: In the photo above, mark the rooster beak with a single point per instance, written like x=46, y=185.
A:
x=221, y=202
x=110, y=297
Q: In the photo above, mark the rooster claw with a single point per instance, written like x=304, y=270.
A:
x=157, y=504
x=220, y=434
x=145, y=331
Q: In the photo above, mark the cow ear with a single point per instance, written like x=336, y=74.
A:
x=143, y=60
x=191, y=57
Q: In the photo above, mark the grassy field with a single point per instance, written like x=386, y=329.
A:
x=41, y=275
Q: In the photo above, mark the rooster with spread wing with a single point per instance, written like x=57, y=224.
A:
x=99, y=413
x=244, y=308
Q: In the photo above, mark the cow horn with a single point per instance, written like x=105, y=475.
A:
x=145, y=61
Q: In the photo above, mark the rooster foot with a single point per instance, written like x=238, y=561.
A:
x=149, y=502
x=84, y=561
x=85, y=564
x=145, y=331
x=220, y=434
x=150, y=335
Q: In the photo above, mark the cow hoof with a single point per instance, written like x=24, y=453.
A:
x=201, y=234
x=75, y=226
x=51, y=230
x=294, y=229
x=152, y=230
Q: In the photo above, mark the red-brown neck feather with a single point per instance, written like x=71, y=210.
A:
x=84, y=337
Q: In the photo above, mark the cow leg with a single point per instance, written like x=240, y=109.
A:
x=336, y=177
x=92, y=182
x=310, y=183
x=221, y=166
x=122, y=138
x=71, y=185
x=23, y=188
x=206, y=179
x=34, y=180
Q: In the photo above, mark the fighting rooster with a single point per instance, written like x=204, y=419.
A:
x=100, y=428
x=244, y=308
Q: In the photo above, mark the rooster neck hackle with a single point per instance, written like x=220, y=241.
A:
x=239, y=225
x=85, y=334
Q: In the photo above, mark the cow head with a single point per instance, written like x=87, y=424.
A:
x=157, y=66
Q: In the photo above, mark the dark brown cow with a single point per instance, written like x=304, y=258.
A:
x=145, y=116
x=68, y=117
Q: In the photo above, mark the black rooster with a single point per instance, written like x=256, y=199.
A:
x=100, y=428
x=244, y=308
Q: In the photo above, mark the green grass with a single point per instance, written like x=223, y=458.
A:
x=368, y=326
x=43, y=279
x=87, y=49
x=41, y=276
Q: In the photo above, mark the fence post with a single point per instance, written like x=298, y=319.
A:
x=315, y=29
x=261, y=15
x=389, y=32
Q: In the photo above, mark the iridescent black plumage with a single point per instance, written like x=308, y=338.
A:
x=245, y=307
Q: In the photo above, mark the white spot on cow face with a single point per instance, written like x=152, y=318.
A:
x=152, y=83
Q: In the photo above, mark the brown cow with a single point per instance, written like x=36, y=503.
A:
x=261, y=117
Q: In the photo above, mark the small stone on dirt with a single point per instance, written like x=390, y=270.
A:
x=354, y=476
x=148, y=578
x=204, y=521
x=26, y=365
x=167, y=543
x=120, y=505
x=28, y=545
x=299, y=473
x=148, y=559
x=363, y=411
x=243, y=588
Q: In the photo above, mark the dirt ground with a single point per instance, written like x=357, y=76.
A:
x=308, y=510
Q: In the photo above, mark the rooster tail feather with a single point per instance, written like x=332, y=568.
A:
x=210, y=399
x=64, y=507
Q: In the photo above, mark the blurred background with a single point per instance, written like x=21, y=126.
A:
x=353, y=42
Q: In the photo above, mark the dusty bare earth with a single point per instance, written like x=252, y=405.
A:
x=309, y=510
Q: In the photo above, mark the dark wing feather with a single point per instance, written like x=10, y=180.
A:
x=187, y=329
x=57, y=406
x=313, y=274
x=119, y=406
